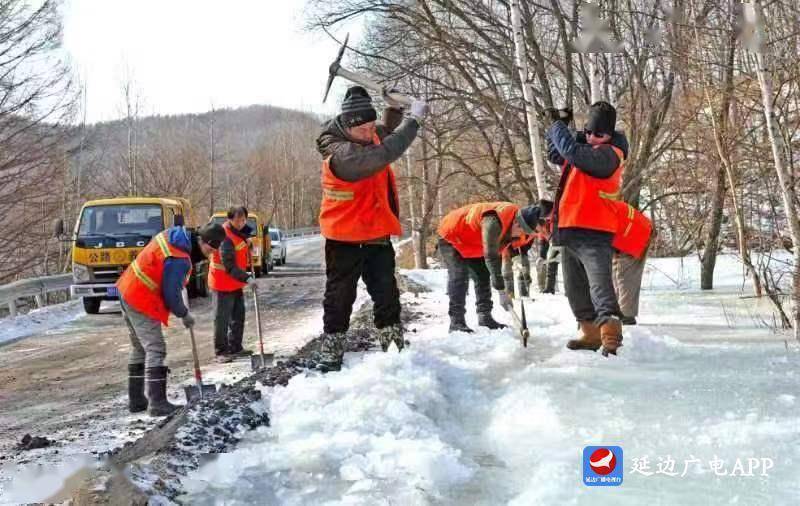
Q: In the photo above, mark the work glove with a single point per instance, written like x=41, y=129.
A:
x=419, y=110
x=389, y=100
x=188, y=320
x=505, y=300
x=251, y=284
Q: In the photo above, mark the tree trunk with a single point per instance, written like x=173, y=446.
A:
x=709, y=258
x=784, y=178
x=535, y=143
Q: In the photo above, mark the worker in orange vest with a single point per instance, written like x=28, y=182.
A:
x=630, y=244
x=475, y=241
x=150, y=289
x=360, y=211
x=227, y=276
x=585, y=220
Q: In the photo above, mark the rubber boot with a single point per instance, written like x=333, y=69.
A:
x=589, y=338
x=137, y=402
x=628, y=320
x=459, y=324
x=486, y=320
x=156, y=382
x=331, y=352
x=611, y=336
x=392, y=333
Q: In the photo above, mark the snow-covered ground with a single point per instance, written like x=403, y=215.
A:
x=477, y=419
x=39, y=321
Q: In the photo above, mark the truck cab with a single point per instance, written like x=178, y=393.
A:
x=110, y=233
x=262, y=245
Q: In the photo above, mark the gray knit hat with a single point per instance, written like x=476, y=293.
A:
x=357, y=108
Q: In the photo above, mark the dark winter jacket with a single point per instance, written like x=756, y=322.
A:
x=351, y=160
x=227, y=252
x=175, y=271
x=563, y=145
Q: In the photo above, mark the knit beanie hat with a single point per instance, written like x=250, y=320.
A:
x=602, y=118
x=530, y=216
x=212, y=234
x=357, y=108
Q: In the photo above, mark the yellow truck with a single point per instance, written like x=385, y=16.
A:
x=110, y=233
x=262, y=245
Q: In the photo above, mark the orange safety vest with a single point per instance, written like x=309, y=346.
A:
x=218, y=279
x=140, y=284
x=358, y=211
x=462, y=227
x=588, y=202
x=633, y=234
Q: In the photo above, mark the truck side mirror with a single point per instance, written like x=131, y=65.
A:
x=58, y=227
x=177, y=220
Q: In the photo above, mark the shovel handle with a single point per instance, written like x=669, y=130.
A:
x=258, y=313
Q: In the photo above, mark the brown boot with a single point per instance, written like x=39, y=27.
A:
x=589, y=338
x=611, y=336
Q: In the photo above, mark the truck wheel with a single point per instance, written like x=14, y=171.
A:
x=91, y=305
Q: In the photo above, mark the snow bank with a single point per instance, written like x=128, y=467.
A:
x=477, y=419
x=39, y=321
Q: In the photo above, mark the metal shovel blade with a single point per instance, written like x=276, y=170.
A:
x=258, y=362
x=195, y=392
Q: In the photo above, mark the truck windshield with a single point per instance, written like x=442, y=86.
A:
x=120, y=220
x=274, y=235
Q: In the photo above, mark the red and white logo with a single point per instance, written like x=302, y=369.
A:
x=603, y=461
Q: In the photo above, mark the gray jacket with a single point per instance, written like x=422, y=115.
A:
x=351, y=160
x=500, y=266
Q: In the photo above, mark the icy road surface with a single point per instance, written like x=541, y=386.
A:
x=477, y=419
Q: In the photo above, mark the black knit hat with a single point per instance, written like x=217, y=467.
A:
x=602, y=118
x=357, y=108
x=530, y=216
x=212, y=234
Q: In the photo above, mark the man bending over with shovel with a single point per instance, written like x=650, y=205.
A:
x=150, y=289
x=471, y=240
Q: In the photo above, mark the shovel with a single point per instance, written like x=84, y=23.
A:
x=199, y=390
x=262, y=360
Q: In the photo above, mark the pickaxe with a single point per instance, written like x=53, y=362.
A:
x=336, y=69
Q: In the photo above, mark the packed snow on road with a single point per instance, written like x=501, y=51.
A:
x=702, y=400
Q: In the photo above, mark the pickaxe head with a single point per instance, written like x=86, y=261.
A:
x=333, y=70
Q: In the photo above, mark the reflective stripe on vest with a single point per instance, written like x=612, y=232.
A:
x=140, y=284
x=359, y=211
x=218, y=278
x=589, y=202
x=462, y=227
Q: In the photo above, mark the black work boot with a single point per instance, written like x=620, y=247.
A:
x=156, y=381
x=486, y=320
x=331, y=352
x=137, y=402
x=459, y=324
x=628, y=320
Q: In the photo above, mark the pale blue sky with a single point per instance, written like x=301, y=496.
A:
x=185, y=54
